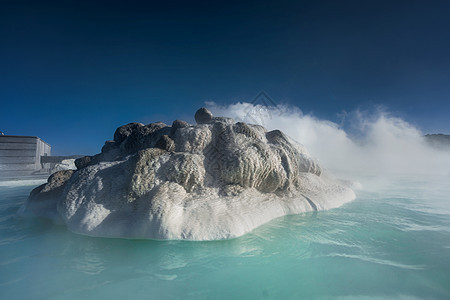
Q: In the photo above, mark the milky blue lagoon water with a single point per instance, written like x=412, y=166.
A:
x=392, y=242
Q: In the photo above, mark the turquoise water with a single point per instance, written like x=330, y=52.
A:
x=392, y=242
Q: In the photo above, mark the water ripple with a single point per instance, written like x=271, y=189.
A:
x=378, y=261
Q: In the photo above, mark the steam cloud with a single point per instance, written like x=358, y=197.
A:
x=378, y=144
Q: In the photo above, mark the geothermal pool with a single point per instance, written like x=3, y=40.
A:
x=393, y=241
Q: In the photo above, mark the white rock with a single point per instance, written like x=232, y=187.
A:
x=222, y=180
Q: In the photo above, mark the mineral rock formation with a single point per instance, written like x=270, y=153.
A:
x=214, y=180
x=203, y=116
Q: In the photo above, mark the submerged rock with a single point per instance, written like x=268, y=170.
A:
x=214, y=180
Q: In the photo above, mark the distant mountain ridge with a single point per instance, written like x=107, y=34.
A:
x=438, y=140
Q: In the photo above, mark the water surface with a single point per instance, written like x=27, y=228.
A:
x=392, y=242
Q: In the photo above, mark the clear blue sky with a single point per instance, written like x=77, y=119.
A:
x=72, y=71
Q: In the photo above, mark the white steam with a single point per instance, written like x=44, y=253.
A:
x=379, y=144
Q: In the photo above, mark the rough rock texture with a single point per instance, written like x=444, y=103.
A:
x=165, y=143
x=109, y=146
x=84, y=161
x=178, y=124
x=218, y=179
x=203, y=116
x=65, y=164
x=43, y=199
x=124, y=131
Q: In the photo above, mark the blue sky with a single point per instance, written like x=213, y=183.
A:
x=73, y=71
